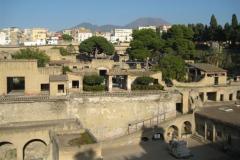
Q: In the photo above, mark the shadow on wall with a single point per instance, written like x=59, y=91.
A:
x=87, y=155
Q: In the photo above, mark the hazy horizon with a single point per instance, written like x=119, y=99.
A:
x=59, y=14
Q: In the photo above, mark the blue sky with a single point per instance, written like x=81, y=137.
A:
x=59, y=14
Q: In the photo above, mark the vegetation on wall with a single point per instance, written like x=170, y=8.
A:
x=69, y=50
x=66, y=69
x=31, y=53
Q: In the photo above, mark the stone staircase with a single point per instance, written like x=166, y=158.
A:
x=198, y=138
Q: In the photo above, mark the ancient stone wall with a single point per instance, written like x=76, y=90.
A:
x=105, y=117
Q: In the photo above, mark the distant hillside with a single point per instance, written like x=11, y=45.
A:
x=103, y=28
x=147, y=21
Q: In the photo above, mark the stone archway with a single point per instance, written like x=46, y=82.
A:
x=35, y=149
x=7, y=151
x=172, y=132
x=186, y=128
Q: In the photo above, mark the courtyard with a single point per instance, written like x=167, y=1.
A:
x=156, y=150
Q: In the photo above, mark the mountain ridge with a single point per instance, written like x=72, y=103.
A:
x=143, y=21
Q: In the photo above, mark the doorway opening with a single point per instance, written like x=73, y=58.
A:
x=15, y=85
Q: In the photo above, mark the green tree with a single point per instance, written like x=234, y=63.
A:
x=31, y=53
x=139, y=54
x=213, y=28
x=172, y=67
x=179, y=41
x=145, y=43
x=234, y=30
x=198, y=31
x=96, y=45
x=234, y=21
x=227, y=32
x=67, y=37
x=213, y=22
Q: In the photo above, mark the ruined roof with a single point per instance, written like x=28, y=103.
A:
x=226, y=114
x=130, y=72
x=207, y=67
x=57, y=78
x=58, y=62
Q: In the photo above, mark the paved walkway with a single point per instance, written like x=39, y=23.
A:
x=157, y=150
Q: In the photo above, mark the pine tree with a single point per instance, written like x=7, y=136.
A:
x=234, y=21
x=213, y=22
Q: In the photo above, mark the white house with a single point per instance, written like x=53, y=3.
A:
x=154, y=28
x=41, y=42
x=164, y=28
x=106, y=35
x=83, y=36
x=122, y=35
x=4, y=39
x=52, y=41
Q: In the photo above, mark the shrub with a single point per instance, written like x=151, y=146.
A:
x=66, y=69
x=147, y=87
x=93, y=88
x=143, y=80
x=69, y=50
x=63, y=51
x=31, y=53
x=93, y=80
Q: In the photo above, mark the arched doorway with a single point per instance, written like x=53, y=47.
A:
x=172, y=132
x=35, y=149
x=186, y=128
x=8, y=151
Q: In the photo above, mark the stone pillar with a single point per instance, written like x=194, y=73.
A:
x=109, y=83
x=234, y=98
x=205, y=97
x=19, y=153
x=81, y=85
x=195, y=77
x=218, y=96
x=214, y=133
x=185, y=101
x=129, y=83
x=205, y=130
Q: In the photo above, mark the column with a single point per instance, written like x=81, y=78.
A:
x=196, y=75
x=205, y=96
x=19, y=153
x=109, y=83
x=185, y=101
x=81, y=85
x=205, y=130
x=234, y=98
x=214, y=133
x=218, y=96
x=129, y=83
